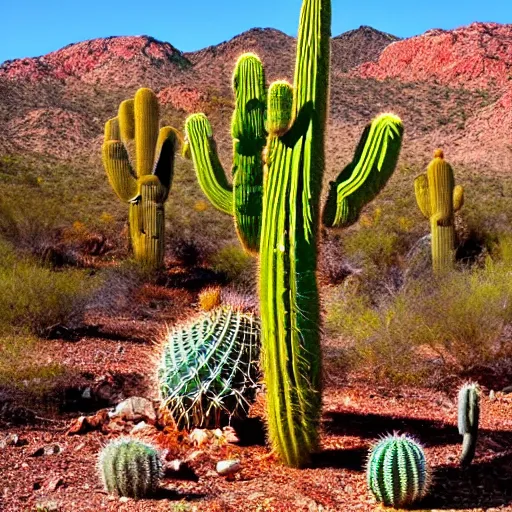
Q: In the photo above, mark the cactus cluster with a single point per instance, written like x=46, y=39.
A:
x=438, y=199
x=130, y=468
x=397, y=472
x=209, y=369
x=468, y=417
x=138, y=158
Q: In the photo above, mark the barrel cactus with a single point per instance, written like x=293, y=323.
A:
x=130, y=468
x=468, y=417
x=397, y=473
x=289, y=214
x=438, y=199
x=209, y=369
x=139, y=161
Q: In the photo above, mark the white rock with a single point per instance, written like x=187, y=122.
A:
x=135, y=408
x=228, y=467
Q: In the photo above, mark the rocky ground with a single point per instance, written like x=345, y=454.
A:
x=48, y=451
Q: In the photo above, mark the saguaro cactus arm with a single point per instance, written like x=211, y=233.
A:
x=423, y=195
x=373, y=164
x=210, y=174
x=458, y=198
x=166, y=147
x=119, y=171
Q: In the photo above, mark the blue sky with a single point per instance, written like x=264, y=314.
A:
x=35, y=27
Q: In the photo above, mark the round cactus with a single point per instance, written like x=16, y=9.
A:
x=130, y=468
x=397, y=472
x=209, y=369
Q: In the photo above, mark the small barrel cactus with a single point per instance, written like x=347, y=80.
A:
x=468, y=417
x=130, y=468
x=397, y=472
x=209, y=369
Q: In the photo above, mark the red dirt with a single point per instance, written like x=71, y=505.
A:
x=355, y=415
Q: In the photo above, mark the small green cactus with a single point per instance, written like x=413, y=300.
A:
x=130, y=468
x=397, y=472
x=468, y=417
x=438, y=198
x=139, y=162
x=209, y=369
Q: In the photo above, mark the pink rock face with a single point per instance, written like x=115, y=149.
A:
x=479, y=55
x=183, y=98
x=79, y=59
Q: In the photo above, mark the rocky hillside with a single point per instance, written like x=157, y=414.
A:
x=450, y=88
x=476, y=56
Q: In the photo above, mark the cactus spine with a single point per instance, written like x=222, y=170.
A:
x=130, y=468
x=397, y=473
x=243, y=198
x=438, y=198
x=468, y=417
x=209, y=368
x=139, y=162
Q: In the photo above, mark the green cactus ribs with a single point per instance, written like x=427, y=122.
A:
x=130, y=468
x=288, y=288
x=139, y=161
x=438, y=198
x=468, y=418
x=243, y=198
x=397, y=473
x=373, y=164
x=209, y=369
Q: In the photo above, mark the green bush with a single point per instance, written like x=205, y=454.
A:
x=36, y=299
x=238, y=266
x=429, y=329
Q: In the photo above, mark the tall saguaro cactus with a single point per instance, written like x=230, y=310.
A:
x=289, y=215
x=438, y=199
x=243, y=198
x=139, y=162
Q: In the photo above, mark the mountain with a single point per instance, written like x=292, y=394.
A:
x=450, y=88
x=356, y=47
x=476, y=56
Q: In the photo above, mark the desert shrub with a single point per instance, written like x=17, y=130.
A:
x=236, y=265
x=37, y=299
x=430, y=328
x=32, y=374
x=118, y=286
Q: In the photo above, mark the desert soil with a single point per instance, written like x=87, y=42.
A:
x=118, y=356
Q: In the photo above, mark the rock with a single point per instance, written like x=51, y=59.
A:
x=198, y=437
x=180, y=470
x=492, y=395
x=135, y=409
x=142, y=427
x=228, y=467
x=230, y=435
x=12, y=440
x=86, y=395
x=85, y=424
x=507, y=390
x=50, y=449
x=54, y=483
